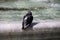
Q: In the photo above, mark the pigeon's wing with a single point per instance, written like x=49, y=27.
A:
x=29, y=19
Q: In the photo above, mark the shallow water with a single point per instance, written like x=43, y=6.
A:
x=43, y=10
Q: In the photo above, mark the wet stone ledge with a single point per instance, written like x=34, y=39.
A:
x=49, y=34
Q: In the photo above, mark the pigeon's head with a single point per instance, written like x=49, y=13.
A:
x=29, y=13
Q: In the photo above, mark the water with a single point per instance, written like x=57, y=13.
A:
x=49, y=11
x=11, y=15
